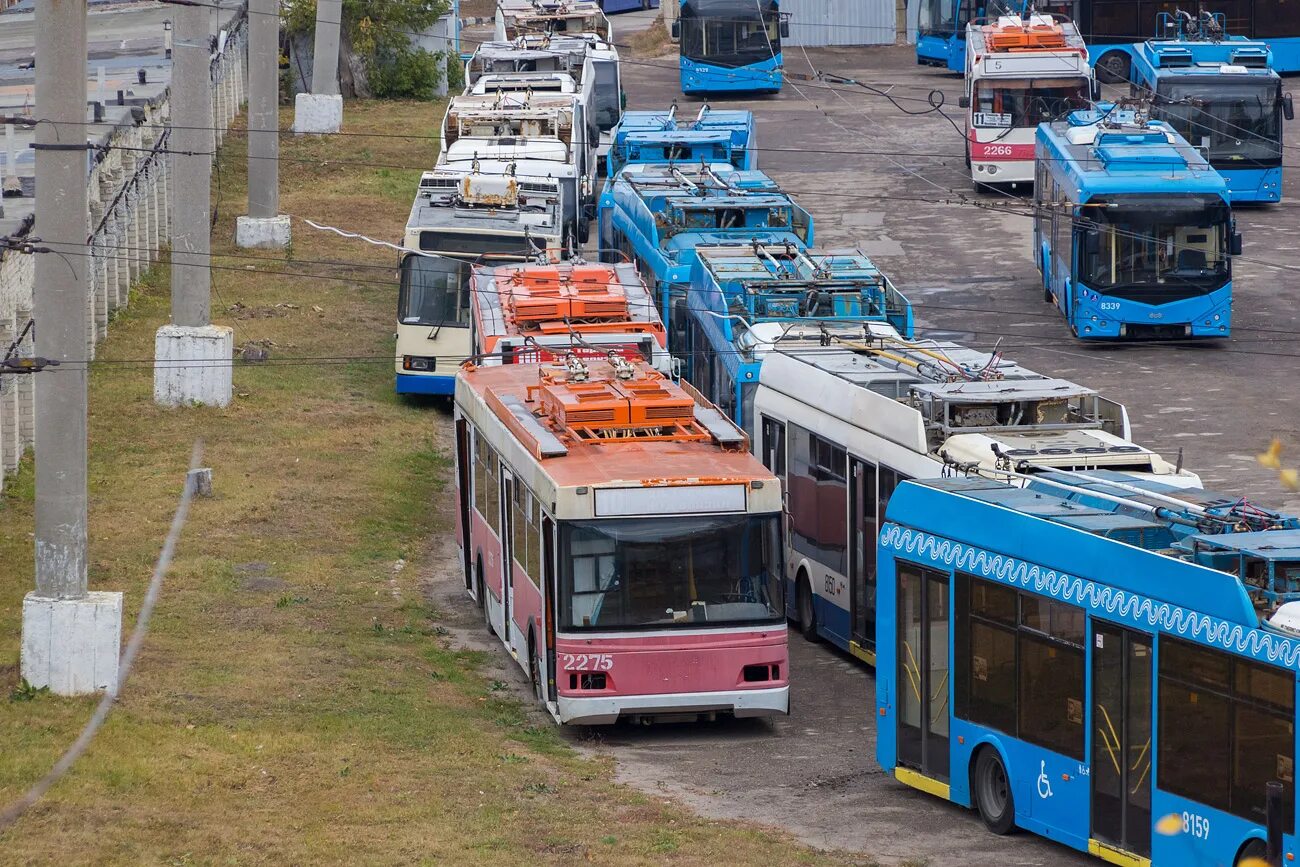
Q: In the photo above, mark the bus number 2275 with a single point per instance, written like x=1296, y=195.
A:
x=586, y=661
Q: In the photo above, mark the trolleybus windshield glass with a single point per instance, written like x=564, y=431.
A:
x=609, y=100
x=435, y=289
x=1233, y=122
x=1022, y=102
x=671, y=572
x=730, y=32
x=1176, y=244
x=937, y=17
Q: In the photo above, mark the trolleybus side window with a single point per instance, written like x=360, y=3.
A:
x=1020, y=664
x=1237, y=718
x=819, y=498
x=774, y=447
x=527, y=532
x=486, y=487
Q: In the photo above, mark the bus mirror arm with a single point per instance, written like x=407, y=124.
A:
x=963, y=101
x=1288, y=108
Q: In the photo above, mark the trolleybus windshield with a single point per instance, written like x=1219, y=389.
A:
x=435, y=289
x=1235, y=123
x=1026, y=102
x=1176, y=245
x=671, y=572
x=730, y=32
x=609, y=98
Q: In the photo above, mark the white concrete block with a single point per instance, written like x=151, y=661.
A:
x=72, y=645
x=267, y=233
x=193, y=365
x=317, y=113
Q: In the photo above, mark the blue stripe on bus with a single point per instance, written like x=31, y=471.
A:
x=420, y=384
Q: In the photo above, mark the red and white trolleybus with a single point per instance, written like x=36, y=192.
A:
x=622, y=541
x=1020, y=72
x=530, y=313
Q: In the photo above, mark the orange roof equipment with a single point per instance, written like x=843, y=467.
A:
x=568, y=297
x=1013, y=33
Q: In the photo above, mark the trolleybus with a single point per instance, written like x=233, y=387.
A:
x=1222, y=95
x=1065, y=669
x=516, y=18
x=714, y=136
x=1133, y=231
x=526, y=314
x=613, y=7
x=1020, y=72
x=656, y=214
x=622, y=541
x=745, y=301
x=1111, y=28
x=843, y=425
x=731, y=46
x=458, y=219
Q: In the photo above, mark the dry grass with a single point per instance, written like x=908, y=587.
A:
x=287, y=708
x=653, y=41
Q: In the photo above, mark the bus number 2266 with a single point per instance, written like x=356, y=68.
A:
x=586, y=661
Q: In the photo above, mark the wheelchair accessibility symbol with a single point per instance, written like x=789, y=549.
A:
x=1044, y=784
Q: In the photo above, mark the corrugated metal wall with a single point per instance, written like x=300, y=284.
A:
x=841, y=22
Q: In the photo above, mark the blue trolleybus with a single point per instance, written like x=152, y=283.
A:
x=613, y=7
x=745, y=301
x=1111, y=28
x=730, y=46
x=842, y=425
x=1092, y=663
x=662, y=137
x=1133, y=232
x=1222, y=95
x=657, y=214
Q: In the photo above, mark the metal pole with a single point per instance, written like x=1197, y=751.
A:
x=1273, y=823
x=60, y=302
x=263, y=109
x=191, y=139
x=325, y=56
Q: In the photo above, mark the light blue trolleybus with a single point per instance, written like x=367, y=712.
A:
x=657, y=214
x=730, y=47
x=712, y=136
x=1133, y=230
x=1223, y=96
x=1109, y=664
x=746, y=300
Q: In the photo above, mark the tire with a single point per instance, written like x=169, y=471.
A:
x=535, y=672
x=991, y=789
x=1114, y=68
x=1254, y=849
x=807, y=611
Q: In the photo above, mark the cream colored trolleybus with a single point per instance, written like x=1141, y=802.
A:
x=623, y=543
x=1020, y=72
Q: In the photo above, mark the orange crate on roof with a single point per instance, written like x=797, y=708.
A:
x=547, y=293
x=1026, y=38
x=649, y=406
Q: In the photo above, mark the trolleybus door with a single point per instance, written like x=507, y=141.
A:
x=507, y=557
x=463, y=473
x=923, y=687
x=862, y=551
x=1121, y=738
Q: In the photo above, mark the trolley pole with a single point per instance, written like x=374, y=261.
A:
x=264, y=227
x=193, y=357
x=321, y=111
x=71, y=636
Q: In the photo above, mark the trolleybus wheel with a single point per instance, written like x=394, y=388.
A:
x=1254, y=849
x=1113, y=68
x=993, y=792
x=807, y=613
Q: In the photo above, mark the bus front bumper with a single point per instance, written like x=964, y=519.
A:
x=599, y=710
x=409, y=383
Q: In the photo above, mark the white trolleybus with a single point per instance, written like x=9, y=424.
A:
x=515, y=18
x=526, y=314
x=457, y=220
x=622, y=540
x=1020, y=72
x=843, y=425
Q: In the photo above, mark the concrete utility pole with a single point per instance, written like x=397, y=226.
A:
x=193, y=357
x=321, y=111
x=71, y=637
x=264, y=226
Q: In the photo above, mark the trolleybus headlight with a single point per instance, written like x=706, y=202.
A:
x=993, y=170
x=418, y=362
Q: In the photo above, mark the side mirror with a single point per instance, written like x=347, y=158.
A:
x=1096, y=90
x=963, y=101
x=1288, y=109
x=622, y=99
x=1234, y=244
x=784, y=29
x=1092, y=242
x=676, y=31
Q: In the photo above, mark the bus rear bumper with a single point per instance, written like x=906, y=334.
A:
x=600, y=710
x=425, y=384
